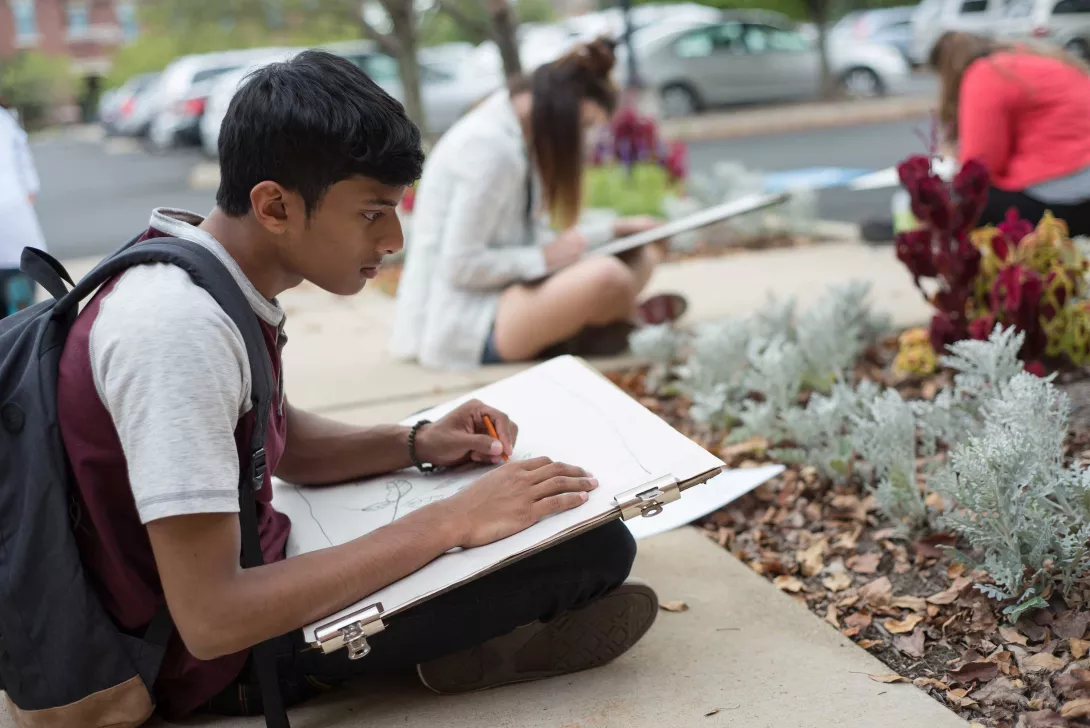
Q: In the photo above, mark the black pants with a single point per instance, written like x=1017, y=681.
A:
x=1077, y=216
x=541, y=587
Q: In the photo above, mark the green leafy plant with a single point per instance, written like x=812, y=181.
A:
x=35, y=84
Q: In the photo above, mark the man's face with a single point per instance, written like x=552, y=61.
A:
x=354, y=226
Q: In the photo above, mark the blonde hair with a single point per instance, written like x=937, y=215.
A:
x=955, y=51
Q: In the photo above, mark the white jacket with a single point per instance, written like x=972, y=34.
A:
x=18, y=181
x=470, y=238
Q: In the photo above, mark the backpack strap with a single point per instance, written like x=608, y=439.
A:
x=46, y=270
x=209, y=273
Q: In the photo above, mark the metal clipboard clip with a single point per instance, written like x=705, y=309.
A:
x=648, y=499
x=351, y=632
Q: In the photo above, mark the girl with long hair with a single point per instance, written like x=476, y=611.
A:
x=495, y=268
x=1024, y=111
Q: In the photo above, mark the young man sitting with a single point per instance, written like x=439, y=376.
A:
x=154, y=397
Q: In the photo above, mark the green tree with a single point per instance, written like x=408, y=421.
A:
x=33, y=83
x=497, y=20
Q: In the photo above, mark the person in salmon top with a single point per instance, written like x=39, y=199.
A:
x=154, y=405
x=1024, y=112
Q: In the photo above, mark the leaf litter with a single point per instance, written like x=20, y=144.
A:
x=907, y=601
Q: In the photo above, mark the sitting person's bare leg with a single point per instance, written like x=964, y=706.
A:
x=593, y=292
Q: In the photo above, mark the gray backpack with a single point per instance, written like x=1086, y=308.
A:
x=63, y=661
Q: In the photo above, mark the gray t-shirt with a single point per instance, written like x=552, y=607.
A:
x=171, y=368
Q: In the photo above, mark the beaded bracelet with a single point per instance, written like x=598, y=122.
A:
x=422, y=467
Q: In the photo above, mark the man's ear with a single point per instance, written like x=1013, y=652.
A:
x=275, y=207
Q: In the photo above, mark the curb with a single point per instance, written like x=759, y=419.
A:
x=797, y=117
x=204, y=176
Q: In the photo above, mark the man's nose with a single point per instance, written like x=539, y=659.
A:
x=394, y=240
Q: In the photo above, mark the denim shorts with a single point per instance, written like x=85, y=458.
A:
x=17, y=291
x=490, y=355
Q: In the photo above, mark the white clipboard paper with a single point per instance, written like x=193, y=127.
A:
x=703, y=218
x=566, y=411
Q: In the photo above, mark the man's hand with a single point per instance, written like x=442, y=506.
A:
x=565, y=249
x=462, y=436
x=514, y=497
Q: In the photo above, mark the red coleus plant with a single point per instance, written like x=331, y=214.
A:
x=632, y=139
x=941, y=248
x=947, y=249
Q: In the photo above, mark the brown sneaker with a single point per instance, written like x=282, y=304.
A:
x=579, y=640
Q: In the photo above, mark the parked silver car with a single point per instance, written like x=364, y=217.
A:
x=1065, y=23
x=117, y=105
x=751, y=57
x=446, y=92
x=176, y=102
x=886, y=26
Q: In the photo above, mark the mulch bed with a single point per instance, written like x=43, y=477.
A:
x=908, y=603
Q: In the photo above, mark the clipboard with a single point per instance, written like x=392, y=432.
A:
x=622, y=497
x=702, y=218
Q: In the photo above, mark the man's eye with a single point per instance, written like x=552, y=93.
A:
x=372, y=216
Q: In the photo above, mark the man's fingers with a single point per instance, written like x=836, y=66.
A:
x=556, y=470
x=505, y=429
x=564, y=484
x=534, y=464
x=556, y=504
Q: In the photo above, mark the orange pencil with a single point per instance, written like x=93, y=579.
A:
x=492, y=431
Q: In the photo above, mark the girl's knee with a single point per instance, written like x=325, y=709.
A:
x=612, y=280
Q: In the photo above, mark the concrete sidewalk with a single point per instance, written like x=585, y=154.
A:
x=744, y=648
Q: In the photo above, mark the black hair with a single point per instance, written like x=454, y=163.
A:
x=308, y=123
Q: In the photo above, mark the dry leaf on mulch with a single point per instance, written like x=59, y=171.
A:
x=859, y=620
x=812, y=560
x=1079, y=708
x=949, y=596
x=1044, y=719
x=912, y=645
x=1010, y=634
x=788, y=583
x=1001, y=691
x=916, y=604
x=928, y=545
x=865, y=563
x=901, y=626
x=890, y=678
x=974, y=672
x=878, y=593
x=837, y=582
x=1079, y=648
x=1073, y=682
x=1071, y=625
x=1042, y=661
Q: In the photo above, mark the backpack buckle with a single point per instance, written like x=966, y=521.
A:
x=258, y=465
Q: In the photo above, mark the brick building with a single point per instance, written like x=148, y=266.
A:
x=87, y=32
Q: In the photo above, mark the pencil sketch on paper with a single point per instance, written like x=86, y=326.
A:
x=604, y=417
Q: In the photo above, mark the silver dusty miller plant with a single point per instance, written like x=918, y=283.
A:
x=820, y=434
x=982, y=368
x=885, y=437
x=658, y=347
x=713, y=375
x=1013, y=499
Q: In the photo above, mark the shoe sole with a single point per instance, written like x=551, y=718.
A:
x=576, y=641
